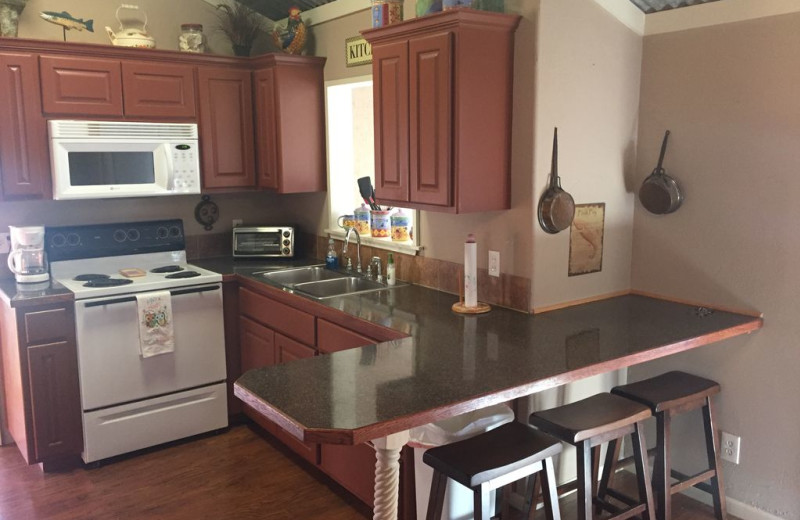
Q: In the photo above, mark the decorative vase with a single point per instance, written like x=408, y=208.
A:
x=9, y=16
x=241, y=50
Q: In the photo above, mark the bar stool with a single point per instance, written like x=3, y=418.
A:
x=491, y=460
x=667, y=395
x=589, y=423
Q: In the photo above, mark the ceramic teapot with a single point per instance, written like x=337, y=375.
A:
x=131, y=36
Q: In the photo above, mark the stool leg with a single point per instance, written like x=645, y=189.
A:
x=480, y=497
x=610, y=465
x=642, y=470
x=585, y=487
x=662, y=468
x=549, y=492
x=436, y=497
x=712, y=450
x=532, y=496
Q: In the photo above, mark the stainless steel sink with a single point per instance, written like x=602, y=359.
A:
x=298, y=275
x=323, y=289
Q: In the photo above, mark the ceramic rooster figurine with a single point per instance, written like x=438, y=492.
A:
x=292, y=38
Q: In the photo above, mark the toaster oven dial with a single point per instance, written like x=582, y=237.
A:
x=286, y=243
x=286, y=234
x=286, y=251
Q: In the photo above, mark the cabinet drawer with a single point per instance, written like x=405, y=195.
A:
x=81, y=86
x=333, y=338
x=155, y=90
x=47, y=326
x=275, y=315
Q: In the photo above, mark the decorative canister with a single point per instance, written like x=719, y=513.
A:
x=346, y=221
x=380, y=224
x=386, y=12
x=191, y=38
x=400, y=227
x=362, y=220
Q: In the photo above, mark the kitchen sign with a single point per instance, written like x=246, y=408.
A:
x=357, y=51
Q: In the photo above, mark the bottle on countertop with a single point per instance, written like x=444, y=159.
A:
x=331, y=260
x=390, y=270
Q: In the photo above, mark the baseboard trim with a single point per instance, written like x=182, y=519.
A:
x=735, y=507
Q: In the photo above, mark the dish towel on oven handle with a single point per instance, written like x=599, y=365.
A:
x=156, y=335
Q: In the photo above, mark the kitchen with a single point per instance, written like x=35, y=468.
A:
x=746, y=116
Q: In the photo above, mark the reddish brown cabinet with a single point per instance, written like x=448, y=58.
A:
x=257, y=344
x=81, y=86
x=40, y=377
x=226, y=127
x=290, y=123
x=442, y=108
x=158, y=90
x=24, y=149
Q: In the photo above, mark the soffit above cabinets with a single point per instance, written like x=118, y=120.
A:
x=654, y=6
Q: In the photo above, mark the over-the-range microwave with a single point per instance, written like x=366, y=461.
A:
x=102, y=159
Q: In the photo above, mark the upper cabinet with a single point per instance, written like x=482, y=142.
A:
x=158, y=90
x=24, y=163
x=443, y=102
x=290, y=123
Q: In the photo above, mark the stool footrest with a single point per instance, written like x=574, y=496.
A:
x=698, y=481
x=622, y=497
x=618, y=513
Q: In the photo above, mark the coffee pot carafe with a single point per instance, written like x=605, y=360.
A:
x=27, y=259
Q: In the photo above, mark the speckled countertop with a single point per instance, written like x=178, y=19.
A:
x=452, y=363
x=26, y=294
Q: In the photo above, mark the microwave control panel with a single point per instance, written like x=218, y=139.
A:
x=185, y=167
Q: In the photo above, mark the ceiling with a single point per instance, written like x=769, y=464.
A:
x=279, y=9
x=654, y=6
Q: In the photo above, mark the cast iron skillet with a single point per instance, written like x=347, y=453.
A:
x=556, y=207
x=660, y=193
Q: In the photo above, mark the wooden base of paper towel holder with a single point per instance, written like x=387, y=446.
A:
x=460, y=308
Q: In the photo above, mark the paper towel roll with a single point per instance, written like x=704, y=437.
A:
x=470, y=272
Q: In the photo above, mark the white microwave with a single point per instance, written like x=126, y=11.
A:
x=103, y=159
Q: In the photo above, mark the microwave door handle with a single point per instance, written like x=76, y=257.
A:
x=165, y=169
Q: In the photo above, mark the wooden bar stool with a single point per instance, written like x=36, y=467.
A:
x=667, y=395
x=491, y=460
x=589, y=423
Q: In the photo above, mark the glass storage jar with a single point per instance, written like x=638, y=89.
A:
x=191, y=38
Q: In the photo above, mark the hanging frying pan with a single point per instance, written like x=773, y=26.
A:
x=660, y=193
x=556, y=207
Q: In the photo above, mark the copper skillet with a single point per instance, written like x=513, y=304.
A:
x=556, y=207
x=660, y=193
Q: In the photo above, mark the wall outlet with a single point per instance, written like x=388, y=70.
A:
x=494, y=263
x=5, y=243
x=237, y=222
x=730, y=447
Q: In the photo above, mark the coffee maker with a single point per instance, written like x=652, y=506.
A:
x=27, y=259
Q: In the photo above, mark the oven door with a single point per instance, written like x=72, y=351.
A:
x=112, y=371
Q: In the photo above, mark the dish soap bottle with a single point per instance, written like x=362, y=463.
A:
x=390, y=271
x=331, y=260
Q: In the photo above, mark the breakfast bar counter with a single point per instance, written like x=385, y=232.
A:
x=451, y=364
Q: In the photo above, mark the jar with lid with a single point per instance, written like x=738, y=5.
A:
x=191, y=38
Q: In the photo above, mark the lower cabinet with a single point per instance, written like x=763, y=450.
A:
x=40, y=382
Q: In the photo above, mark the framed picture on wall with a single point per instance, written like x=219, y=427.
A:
x=586, y=239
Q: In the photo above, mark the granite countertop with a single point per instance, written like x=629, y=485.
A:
x=453, y=363
x=27, y=294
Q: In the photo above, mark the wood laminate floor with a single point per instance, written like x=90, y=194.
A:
x=236, y=475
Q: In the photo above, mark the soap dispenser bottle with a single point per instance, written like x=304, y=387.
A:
x=331, y=260
x=390, y=271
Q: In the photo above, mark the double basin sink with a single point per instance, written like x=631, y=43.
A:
x=320, y=283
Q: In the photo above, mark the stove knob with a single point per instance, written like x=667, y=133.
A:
x=120, y=235
x=174, y=231
x=73, y=239
x=286, y=251
x=58, y=240
x=133, y=235
x=162, y=232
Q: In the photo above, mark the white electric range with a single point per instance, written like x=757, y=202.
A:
x=129, y=401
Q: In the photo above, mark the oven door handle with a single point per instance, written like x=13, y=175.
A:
x=174, y=292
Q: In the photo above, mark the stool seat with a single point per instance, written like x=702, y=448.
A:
x=590, y=417
x=669, y=390
x=472, y=462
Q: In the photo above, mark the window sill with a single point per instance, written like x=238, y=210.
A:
x=408, y=248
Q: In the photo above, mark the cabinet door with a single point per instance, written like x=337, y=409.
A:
x=55, y=399
x=287, y=349
x=390, y=87
x=257, y=344
x=333, y=338
x=431, y=119
x=24, y=163
x=226, y=128
x=81, y=86
x=158, y=90
x=266, y=128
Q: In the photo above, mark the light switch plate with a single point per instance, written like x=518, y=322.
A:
x=494, y=263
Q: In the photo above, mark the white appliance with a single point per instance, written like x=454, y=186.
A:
x=131, y=402
x=102, y=159
x=27, y=259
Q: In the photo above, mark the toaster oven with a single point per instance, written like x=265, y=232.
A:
x=263, y=242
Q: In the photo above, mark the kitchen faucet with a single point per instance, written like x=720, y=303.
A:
x=351, y=229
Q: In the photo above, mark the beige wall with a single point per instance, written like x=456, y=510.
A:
x=587, y=86
x=729, y=94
